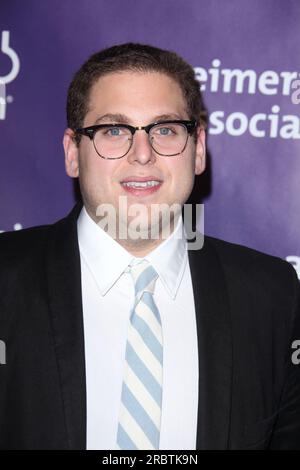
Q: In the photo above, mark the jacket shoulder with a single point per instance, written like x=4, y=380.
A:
x=242, y=265
x=23, y=242
x=30, y=241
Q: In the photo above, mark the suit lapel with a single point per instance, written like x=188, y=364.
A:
x=65, y=301
x=214, y=347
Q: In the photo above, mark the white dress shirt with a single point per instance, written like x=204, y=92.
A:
x=108, y=297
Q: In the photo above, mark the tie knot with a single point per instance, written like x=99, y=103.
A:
x=144, y=277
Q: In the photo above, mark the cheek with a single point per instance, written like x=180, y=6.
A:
x=182, y=179
x=94, y=171
x=182, y=171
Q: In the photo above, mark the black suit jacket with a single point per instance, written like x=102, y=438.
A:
x=247, y=310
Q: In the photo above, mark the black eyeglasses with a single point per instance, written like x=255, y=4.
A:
x=113, y=141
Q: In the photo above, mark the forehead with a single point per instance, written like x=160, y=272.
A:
x=136, y=94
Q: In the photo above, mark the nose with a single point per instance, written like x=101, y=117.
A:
x=141, y=150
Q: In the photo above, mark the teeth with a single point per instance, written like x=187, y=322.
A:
x=141, y=184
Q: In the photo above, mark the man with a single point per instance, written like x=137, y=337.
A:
x=135, y=342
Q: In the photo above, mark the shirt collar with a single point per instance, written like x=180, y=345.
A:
x=100, y=249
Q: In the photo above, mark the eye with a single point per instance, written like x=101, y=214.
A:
x=113, y=131
x=164, y=131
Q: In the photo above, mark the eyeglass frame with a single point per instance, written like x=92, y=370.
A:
x=90, y=132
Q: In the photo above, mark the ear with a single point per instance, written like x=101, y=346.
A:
x=200, y=160
x=71, y=154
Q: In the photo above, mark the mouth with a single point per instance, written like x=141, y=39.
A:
x=141, y=186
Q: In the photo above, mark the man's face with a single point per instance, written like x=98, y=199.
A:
x=138, y=99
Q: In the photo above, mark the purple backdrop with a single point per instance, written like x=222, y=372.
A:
x=245, y=52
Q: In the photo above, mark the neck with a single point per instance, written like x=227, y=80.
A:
x=137, y=243
x=139, y=248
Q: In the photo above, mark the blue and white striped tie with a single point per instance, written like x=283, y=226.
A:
x=140, y=413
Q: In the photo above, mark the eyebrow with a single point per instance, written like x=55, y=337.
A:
x=113, y=118
x=122, y=118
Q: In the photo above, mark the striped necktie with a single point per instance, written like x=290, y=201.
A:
x=140, y=412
